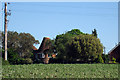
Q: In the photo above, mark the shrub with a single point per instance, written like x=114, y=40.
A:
x=4, y=62
x=105, y=58
x=113, y=61
x=20, y=61
x=28, y=61
x=100, y=60
x=13, y=57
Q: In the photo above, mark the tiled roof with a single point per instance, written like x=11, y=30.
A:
x=44, y=46
x=114, y=48
x=34, y=48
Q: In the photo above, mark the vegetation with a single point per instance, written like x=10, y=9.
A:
x=100, y=60
x=113, y=61
x=94, y=33
x=84, y=48
x=76, y=46
x=60, y=71
x=19, y=46
x=72, y=47
x=5, y=62
x=105, y=58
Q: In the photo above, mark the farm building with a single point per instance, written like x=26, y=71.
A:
x=43, y=52
x=115, y=52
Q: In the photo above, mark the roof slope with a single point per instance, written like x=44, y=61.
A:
x=114, y=48
x=34, y=48
x=44, y=46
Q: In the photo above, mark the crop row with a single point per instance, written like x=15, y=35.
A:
x=60, y=71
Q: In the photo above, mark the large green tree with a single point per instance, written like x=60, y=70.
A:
x=20, y=43
x=76, y=46
x=84, y=48
x=26, y=42
x=61, y=42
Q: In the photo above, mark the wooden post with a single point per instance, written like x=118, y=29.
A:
x=5, y=31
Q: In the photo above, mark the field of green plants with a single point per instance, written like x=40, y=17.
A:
x=60, y=71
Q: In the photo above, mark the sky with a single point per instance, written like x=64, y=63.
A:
x=48, y=19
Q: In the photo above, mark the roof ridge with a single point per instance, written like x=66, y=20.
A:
x=114, y=48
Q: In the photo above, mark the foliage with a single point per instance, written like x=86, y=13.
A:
x=75, y=32
x=4, y=62
x=13, y=57
x=61, y=71
x=21, y=42
x=113, y=60
x=84, y=48
x=94, y=32
x=76, y=46
x=61, y=42
x=100, y=60
x=28, y=61
x=105, y=58
x=19, y=46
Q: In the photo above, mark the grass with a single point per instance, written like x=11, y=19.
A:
x=60, y=71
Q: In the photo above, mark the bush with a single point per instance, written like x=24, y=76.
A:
x=4, y=62
x=13, y=57
x=37, y=61
x=28, y=61
x=113, y=61
x=24, y=61
x=100, y=60
x=105, y=58
x=20, y=61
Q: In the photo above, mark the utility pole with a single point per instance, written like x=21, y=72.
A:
x=5, y=31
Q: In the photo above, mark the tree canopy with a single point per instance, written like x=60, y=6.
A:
x=94, y=32
x=75, y=46
x=84, y=48
x=20, y=43
x=72, y=46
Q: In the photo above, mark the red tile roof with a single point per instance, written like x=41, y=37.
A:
x=44, y=46
x=34, y=48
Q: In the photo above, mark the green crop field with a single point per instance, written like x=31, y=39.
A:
x=60, y=71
